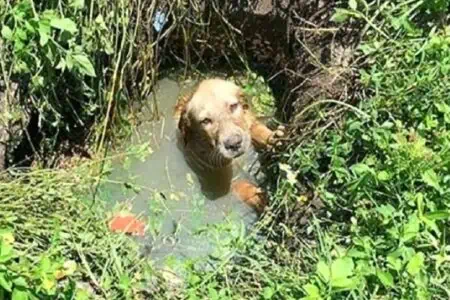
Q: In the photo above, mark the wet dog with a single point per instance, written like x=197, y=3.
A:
x=216, y=127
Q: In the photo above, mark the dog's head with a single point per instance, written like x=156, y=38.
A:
x=213, y=122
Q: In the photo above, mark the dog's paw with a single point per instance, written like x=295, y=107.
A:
x=250, y=194
x=277, y=135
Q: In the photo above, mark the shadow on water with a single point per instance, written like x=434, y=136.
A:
x=182, y=223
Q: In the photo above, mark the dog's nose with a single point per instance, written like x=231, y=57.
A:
x=233, y=142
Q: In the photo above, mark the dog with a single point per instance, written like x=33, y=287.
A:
x=215, y=127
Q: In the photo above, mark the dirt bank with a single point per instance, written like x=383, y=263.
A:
x=292, y=43
x=305, y=56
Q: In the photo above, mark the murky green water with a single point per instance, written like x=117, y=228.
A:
x=182, y=222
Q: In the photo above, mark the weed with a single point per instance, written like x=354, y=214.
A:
x=45, y=251
x=381, y=174
x=259, y=93
x=381, y=171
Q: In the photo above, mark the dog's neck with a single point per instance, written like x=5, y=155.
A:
x=203, y=164
x=214, y=179
x=198, y=161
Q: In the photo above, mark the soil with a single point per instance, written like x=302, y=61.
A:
x=12, y=122
x=293, y=43
x=303, y=55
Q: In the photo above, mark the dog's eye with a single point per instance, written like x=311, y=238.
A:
x=206, y=121
x=234, y=106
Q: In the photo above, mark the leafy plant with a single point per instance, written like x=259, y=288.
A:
x=380, y=171
x=47, y=253
x=258, y=92
x=70, y=60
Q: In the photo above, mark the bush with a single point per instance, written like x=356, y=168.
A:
x=381, y=172
x=74, y=61
x=55, y=243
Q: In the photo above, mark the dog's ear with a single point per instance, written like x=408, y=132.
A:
x=184, y=122
x=184, y=125
x=242, y=99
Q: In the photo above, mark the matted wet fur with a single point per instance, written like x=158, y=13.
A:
x=216, y=127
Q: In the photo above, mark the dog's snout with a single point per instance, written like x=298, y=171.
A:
x=233, y=142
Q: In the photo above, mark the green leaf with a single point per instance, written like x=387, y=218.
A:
x=124, y=282
x=194, y=279
x=386, y=210
x=438, y=215
x=19, y=294
x=48, y=284
x=419, y=200
x=77, y=4
x=344, y=282
x=82, y=295
x=340, y=16
x=342, y=268
x=7, y=236
x=43, y=38
x=4, y=283
x=69, y=62
x=411, y=229
x=353, y=4
x=64, y=24
x=323, y=270
x=212, y=294
x=383, y=176
x=386, y=278
x=415, y=264
x=394, y=262
x=431, y=178
x=361, y=169
x=364, y=268
x=44, y=32
x=431, y=224
x=7, y=32
x=61, y=65
x=442, y=107
x=20, y=282
x=312, y=291
x=357, y=253
x=30, y=27
x=84, y=64
x=45, y=265
x=38, y=81
x=21, y=34
x=6, y=252
x=268, y=292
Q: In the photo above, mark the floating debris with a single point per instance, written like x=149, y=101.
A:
x=160, y=21
x=127, y=224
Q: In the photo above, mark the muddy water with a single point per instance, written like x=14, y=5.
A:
x=183, y=223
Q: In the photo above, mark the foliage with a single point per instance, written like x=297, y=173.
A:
x=72, y=60
x=381, y=171
x=258, y=93
x=54, y=243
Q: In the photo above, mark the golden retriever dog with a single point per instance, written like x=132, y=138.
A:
x=216, y=127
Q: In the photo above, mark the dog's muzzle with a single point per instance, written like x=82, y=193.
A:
x=234, y=145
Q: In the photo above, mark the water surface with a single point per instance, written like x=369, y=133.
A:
x=183, y=223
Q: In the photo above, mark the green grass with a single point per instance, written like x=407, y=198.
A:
x=79, y=65
x=381, y=173
x=55, y=244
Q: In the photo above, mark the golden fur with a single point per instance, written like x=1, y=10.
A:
x=250, y=194
x=215, y=127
